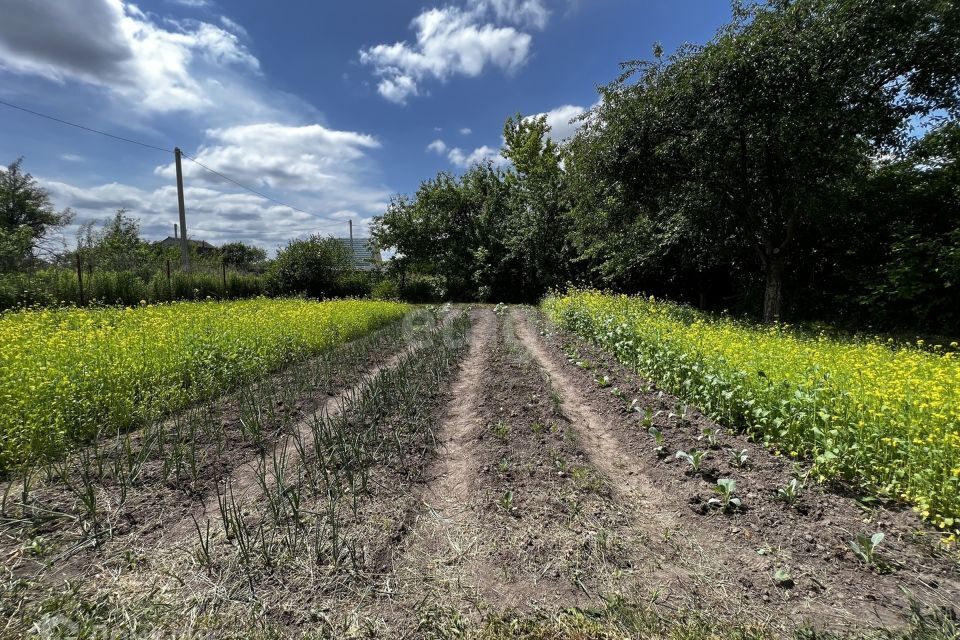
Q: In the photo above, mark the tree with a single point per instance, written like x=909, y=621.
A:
x=538, y=234
x=243, y=257
x=456, y=229
x=27, y=218
x=115, y=246
x=757, y=134
x=310, y=267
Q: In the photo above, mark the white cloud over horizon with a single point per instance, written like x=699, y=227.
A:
x=453, y=41
x=465, y=160
x=115, y=46
x=151, y=67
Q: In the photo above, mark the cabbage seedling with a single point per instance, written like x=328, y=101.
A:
x=865, y=547
x=695, y=458
x=726, y=487
x=657, y=435
x=739, y=458
x=710, y=435
x=791, y=492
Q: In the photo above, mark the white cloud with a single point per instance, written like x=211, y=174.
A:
x=233, y=26
x=437, y=146
x=479, y=155
x=319, y=170
x=71, y=157
x=111, y=44
x=302, y=158
x=466, y=131
x=559, y=120
x=523, y=12
x=450, y=41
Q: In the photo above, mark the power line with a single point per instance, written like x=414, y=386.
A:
x=245, y=187
x=80, y=126
x=150, y=146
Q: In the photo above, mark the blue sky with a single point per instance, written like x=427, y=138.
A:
x=331, y=107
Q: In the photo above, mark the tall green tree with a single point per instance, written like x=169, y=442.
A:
x=455, y=228
x=538, y=234
x=758, y=134
x=114, y=244
x=27, y=219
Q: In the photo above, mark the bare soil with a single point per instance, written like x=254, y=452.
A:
x=526, y=487
x=737, y=552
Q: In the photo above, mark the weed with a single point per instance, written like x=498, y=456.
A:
x=501, y=431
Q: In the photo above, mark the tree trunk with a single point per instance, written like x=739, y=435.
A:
x=773, y=294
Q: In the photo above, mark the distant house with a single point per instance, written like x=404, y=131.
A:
x=202, y=247
x=366, y=255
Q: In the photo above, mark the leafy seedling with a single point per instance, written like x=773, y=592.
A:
x=709, y=435
x=657, y=435
x=782, y=578
x=725, y=488
x=502, y=431
x=865, y=547
x=603, y=381
x=791, y=492
x=506, y=502
x=739, y=458
x=694, y=457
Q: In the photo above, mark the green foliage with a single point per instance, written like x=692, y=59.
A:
x=243, y=257
x=311, y=267
x=868, y=411
x=27, y=218
x=775, y=169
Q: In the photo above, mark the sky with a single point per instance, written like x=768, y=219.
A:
x=330, y=107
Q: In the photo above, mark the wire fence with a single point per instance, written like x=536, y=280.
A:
x=87, y=285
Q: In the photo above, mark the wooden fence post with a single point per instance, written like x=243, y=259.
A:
x=80, y=277
x=169, y=281
x=223, y=272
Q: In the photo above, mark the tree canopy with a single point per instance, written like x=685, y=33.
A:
x=744, y=173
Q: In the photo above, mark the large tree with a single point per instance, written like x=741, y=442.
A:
x=538, y=234
x=756, y=135
x=27, y=219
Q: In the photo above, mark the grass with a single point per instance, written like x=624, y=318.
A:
x=882, y=415
x=68, y=375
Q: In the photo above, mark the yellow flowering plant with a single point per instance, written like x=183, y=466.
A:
x=884, y=416
x=71, y=374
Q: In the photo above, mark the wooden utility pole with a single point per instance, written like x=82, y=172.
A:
x=184, y=247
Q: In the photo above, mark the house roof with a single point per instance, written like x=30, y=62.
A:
x=365, y=253
x=170, y=241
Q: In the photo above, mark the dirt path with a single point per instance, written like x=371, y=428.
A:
x=454, y=472
x=734, y=556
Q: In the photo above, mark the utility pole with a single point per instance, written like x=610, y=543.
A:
x=184, y=247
